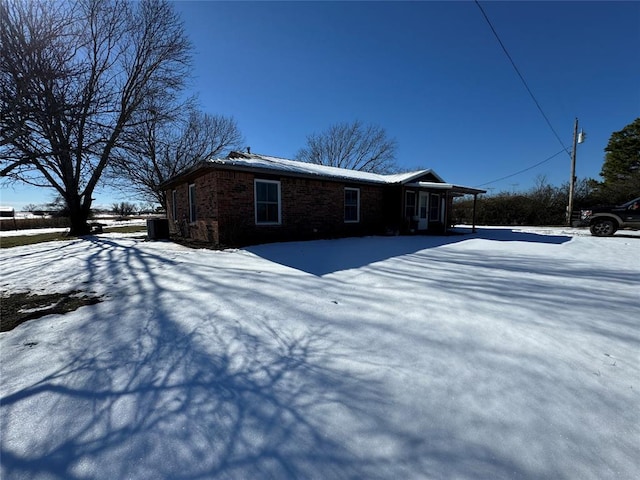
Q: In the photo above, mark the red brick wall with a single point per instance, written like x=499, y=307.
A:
x=309, y=209
x=205, y=228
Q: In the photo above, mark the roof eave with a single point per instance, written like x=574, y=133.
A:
x=204, y=164
x=456, y=189
x=467, y=190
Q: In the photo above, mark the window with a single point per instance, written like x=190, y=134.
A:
x=267, y=196
x=351, y=205
x=424, y=203
x=174, y=206
x=192, y=203
x=434, y=208
x=410, y=204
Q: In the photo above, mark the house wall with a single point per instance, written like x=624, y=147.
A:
x=322, y=213
x=309, y=209
x=205, y=228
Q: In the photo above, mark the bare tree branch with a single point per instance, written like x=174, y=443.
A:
x=167, y=141
x=353, y=146
x=73, y=76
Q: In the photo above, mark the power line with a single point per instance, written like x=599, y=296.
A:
x=504, y=49
x=522, y=171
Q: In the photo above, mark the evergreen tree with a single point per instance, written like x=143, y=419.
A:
x=621, y=168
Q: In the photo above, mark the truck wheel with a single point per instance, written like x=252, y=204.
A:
x=603, y=228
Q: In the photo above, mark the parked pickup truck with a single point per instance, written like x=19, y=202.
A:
x=604, y=221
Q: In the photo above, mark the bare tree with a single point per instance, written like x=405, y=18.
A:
x=74, y=77
x=124, y=209
x=168, y=141
x=353, y=146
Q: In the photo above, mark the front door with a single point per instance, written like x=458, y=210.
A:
x=423, y=211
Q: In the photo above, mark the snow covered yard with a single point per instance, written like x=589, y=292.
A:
x=504, y=354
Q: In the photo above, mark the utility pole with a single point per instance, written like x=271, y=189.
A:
x=572, y=180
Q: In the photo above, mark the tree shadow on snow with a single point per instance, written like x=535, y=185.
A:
x=214, y=398
x=322, y=257
x=168, y=409
x=149, y=398
x=171, y=409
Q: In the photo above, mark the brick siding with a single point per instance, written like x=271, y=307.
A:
x=225, y=209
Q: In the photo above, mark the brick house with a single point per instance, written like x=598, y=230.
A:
x=248, y=199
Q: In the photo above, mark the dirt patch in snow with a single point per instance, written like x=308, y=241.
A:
x=17, y=308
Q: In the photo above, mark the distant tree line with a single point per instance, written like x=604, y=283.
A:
x=544, y=204
x=58, y=209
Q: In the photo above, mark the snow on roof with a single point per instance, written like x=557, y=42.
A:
x=408, y=176
x=457, y=189
x=253, y=160
x=258, y=162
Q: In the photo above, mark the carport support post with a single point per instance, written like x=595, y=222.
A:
x=446, y=213
x=473, y=221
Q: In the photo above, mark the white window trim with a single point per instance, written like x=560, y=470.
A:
x=192, y=207
x=357, y=206
x=255, y=201
x=174, y=206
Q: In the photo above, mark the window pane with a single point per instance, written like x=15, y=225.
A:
x=272, y=212
x=435, y=208
x=272, y=192
x=351, y=214
x=351, y=197
x=411, y=198
x=261, y=212
x=261, y=191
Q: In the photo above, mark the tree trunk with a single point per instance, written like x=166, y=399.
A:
x=78, y=216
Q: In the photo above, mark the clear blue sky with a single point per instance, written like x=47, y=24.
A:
x=432, y=74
